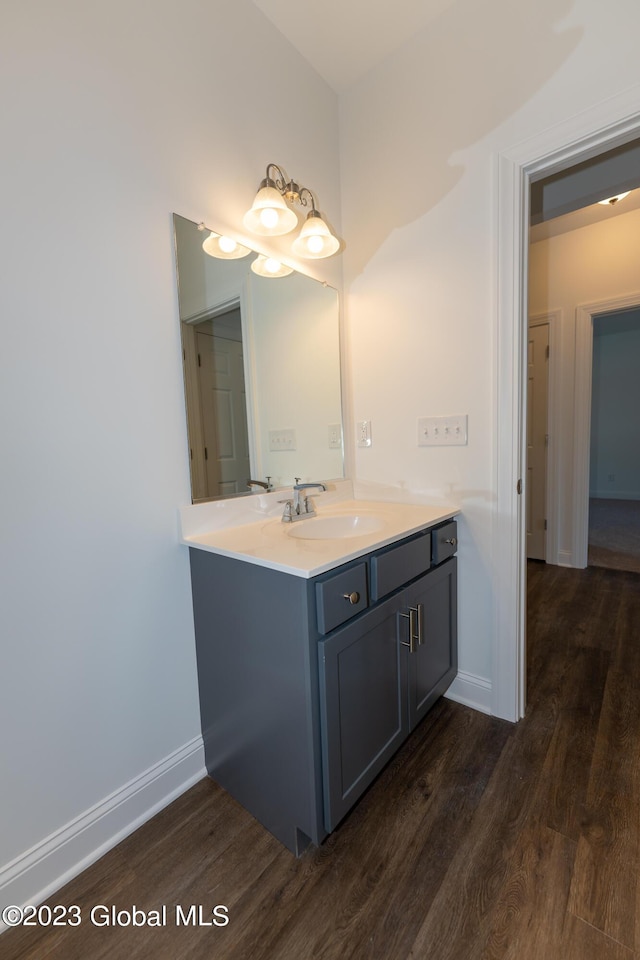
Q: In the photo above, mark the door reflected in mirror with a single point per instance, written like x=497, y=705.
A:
x=262, y=373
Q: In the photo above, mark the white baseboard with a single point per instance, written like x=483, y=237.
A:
x=47, y=866
x=565, y=559
x=472, y=691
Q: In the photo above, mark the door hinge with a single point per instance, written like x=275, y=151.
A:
x=199, y=361
x=547, y=352
x=519, y=486
x=545, y=524
x=206, y=454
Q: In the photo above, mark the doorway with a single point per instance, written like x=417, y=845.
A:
x=586, y=316
x=215, y=384
x=593, y=132
x=223, y=408
x=614, y=462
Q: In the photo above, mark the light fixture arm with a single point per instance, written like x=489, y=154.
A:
x=304, y=202
x=288, y=188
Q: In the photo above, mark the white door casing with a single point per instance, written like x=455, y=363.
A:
x=537, y=439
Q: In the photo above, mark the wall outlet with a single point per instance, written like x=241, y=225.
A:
x=442, y=431
x=363, y=433
x=335, y=436
x=282, y=440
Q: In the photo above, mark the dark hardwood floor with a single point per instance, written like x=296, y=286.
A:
x=481, y=840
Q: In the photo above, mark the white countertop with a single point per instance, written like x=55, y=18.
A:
x=270, y=543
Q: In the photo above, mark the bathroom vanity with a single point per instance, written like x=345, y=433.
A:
x=319, y=650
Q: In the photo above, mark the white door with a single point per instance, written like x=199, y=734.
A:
x=537, y=440
x=224, y=414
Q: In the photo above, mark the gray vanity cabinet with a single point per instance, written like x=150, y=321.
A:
x=376, y=685
x=309, y=686
x=363, y=680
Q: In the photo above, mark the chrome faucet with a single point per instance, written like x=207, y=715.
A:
x=300, y=508
x=260, y=483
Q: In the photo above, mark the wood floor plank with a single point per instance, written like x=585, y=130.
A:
x=580, y=941
x=537, y=887
x=460, y=921
x=605, y=888
x=565, y=773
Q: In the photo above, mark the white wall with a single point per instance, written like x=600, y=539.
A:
x=420, y=138
x=112, y=117
x=595, y=263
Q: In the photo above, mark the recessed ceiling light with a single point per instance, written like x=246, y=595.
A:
x=611, y=201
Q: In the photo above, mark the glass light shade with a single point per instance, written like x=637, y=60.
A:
x=270, y=216
x=224, y=248
x=270, y=267
x=315, y=240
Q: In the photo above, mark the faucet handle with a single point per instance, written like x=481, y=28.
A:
x=288, y=510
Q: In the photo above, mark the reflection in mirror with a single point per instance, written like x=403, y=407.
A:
x=262, y=373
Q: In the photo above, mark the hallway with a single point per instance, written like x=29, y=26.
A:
x=614, y=534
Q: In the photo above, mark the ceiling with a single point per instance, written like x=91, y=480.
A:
x=344, y=39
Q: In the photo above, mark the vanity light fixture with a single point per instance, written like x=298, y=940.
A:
x=611, y=201
x=224, y=248
x=270, y=267
x=271, y=217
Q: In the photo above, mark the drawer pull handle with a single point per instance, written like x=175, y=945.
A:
x=353, y=598
x=452, y=541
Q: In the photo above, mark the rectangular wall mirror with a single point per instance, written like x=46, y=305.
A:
x=262, y=373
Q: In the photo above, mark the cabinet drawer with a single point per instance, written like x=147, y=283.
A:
x=444, y=542
x=339, y=598
x=398, y=565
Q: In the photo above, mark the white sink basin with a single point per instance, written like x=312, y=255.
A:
x=335, y=528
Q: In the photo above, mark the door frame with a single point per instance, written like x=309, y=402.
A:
x=552, y=319
x=607, y=125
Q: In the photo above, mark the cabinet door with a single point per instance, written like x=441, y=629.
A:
x=362, y=705
x=434, y=662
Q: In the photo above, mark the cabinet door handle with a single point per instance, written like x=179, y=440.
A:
x=416, y=627
x=452, y=541
x=420, y=619
x=353, y=598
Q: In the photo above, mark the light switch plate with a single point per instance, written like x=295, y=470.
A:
x=335, y=436
x=282, y=440
x=443, y=431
